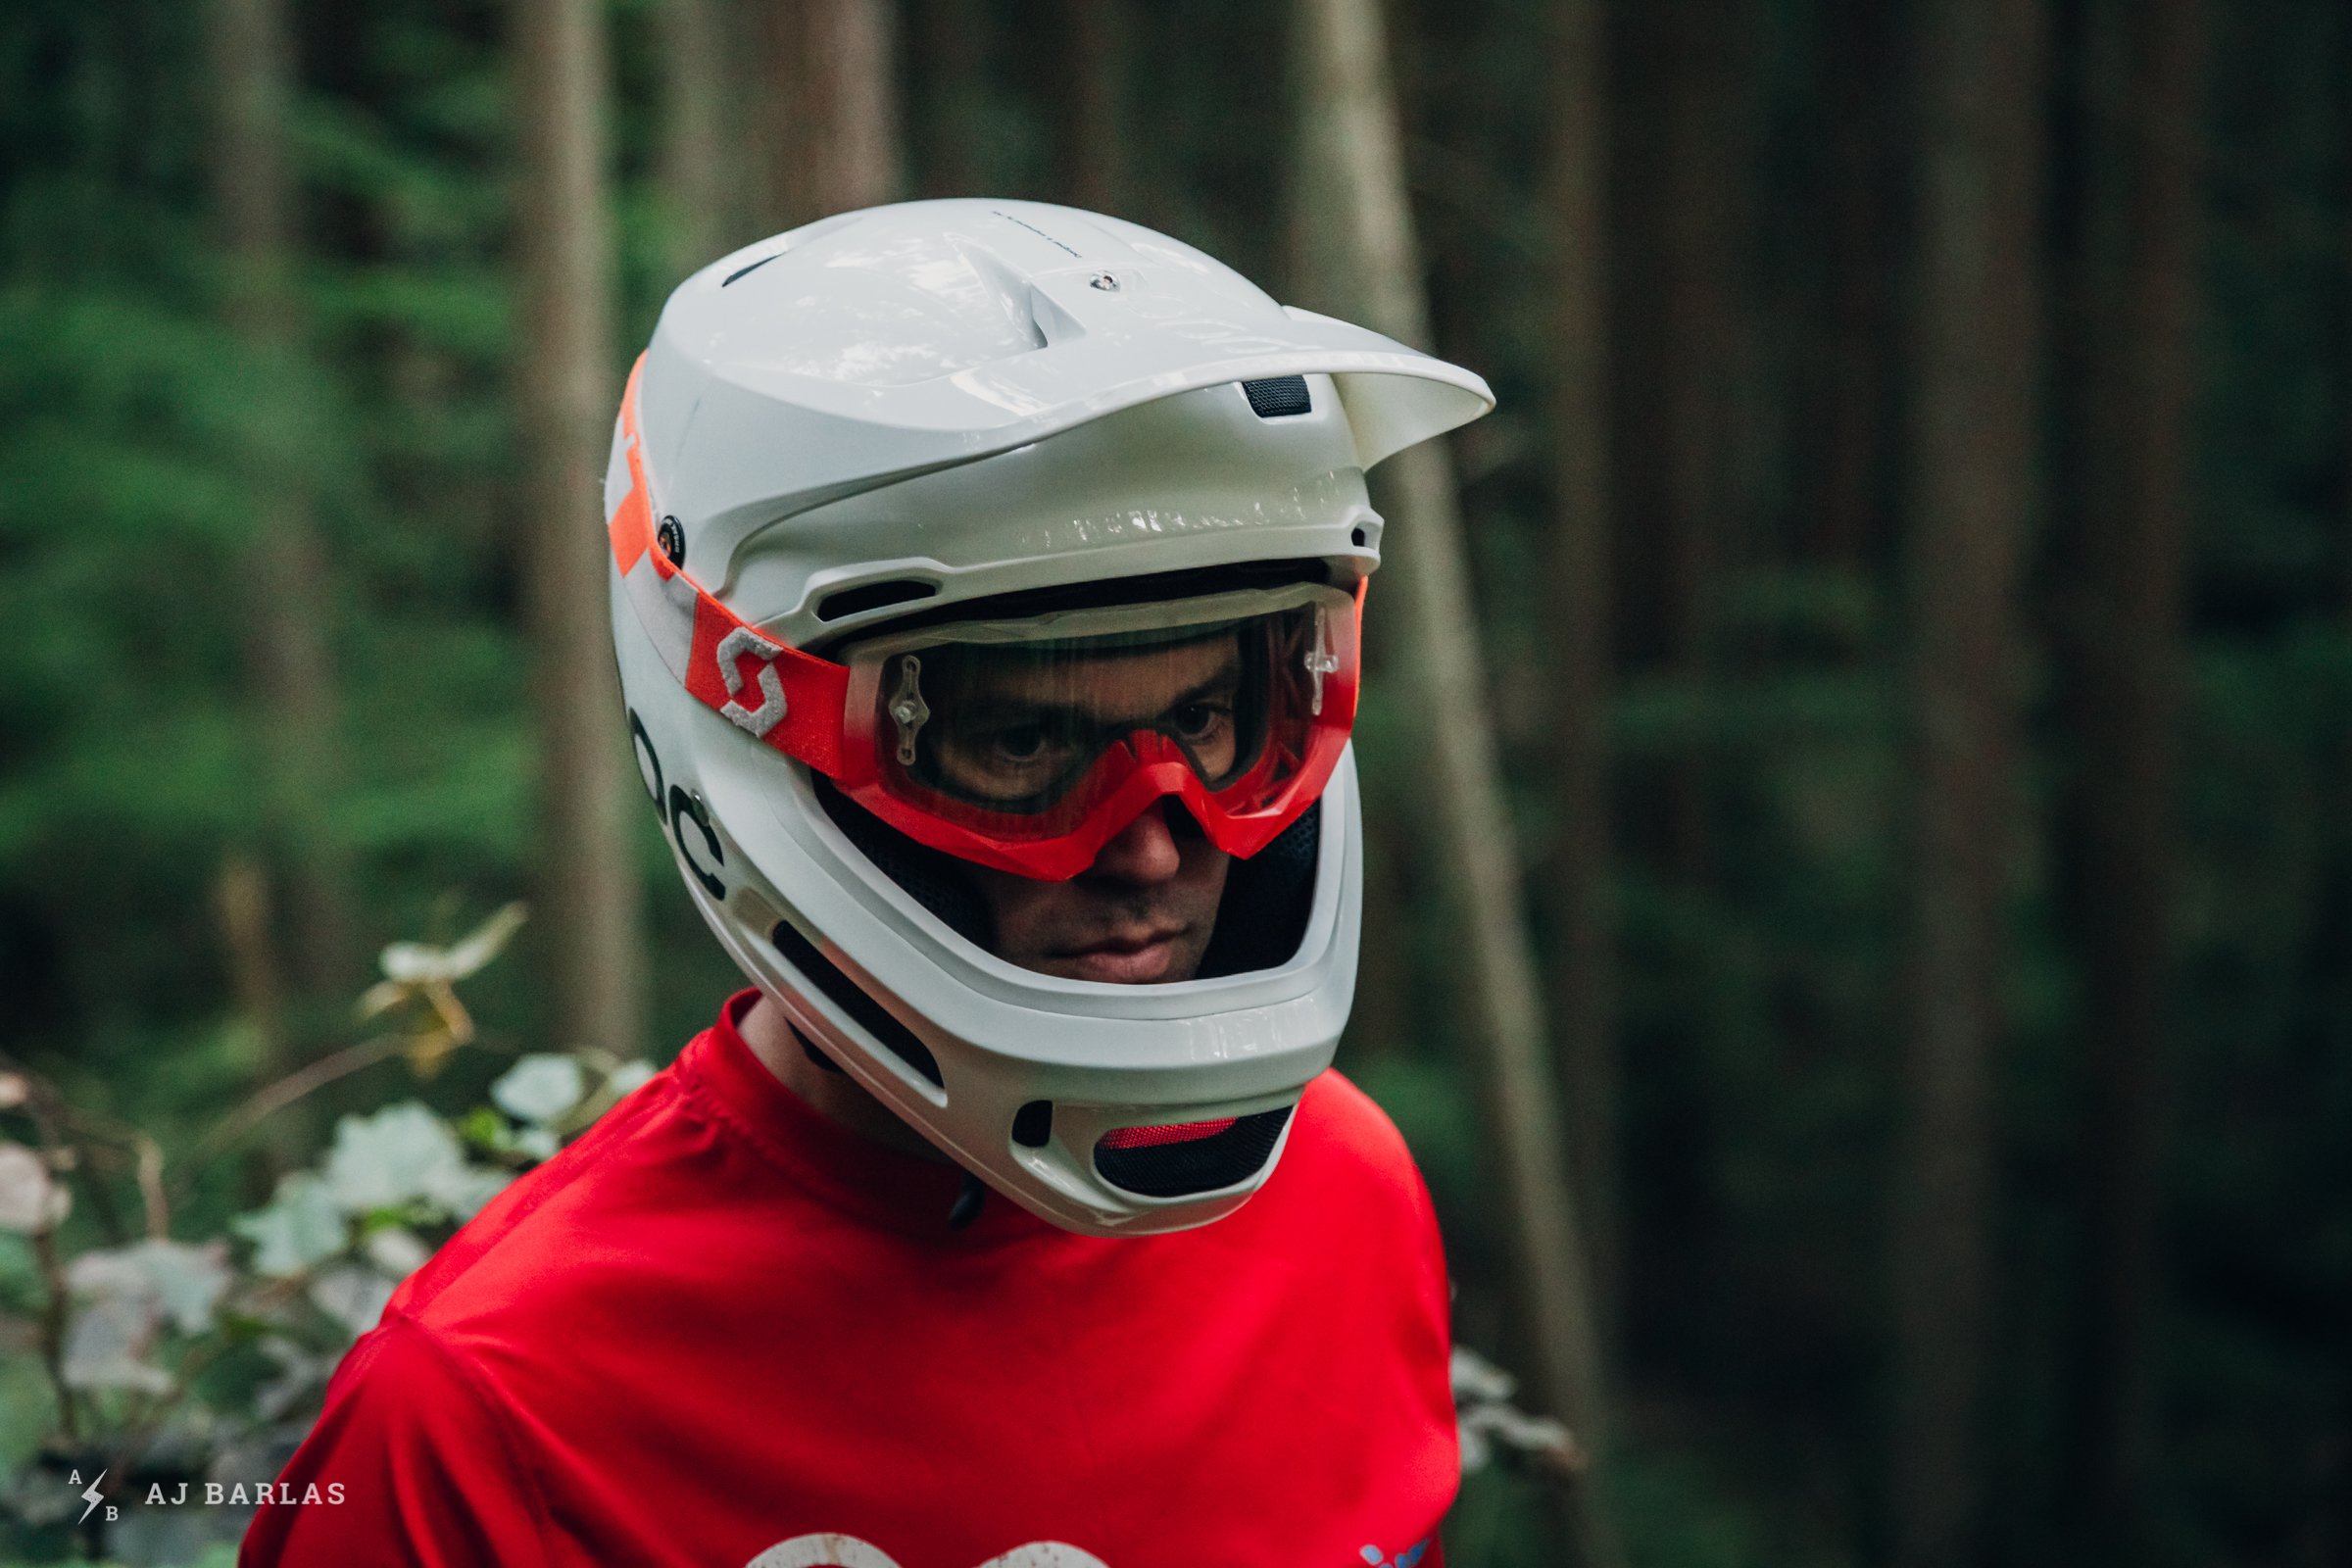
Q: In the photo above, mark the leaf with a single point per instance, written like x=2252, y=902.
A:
x=396, y=1249
x=540, y=1088
x=485, y=1129
x=418, y=963
x=1477, y=1380
x=471, y=953
x=352, y=1294
x=428, y=1053
x=382, y=997
x=107, y=1347
x=403, y=1151
x=466, y=1194
x=31, y=1201
x=187, y=1279
x=300, y=1227
x=628, y=1077
x=299, y=1372
x=154, y=1281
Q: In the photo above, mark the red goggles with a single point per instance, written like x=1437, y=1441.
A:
x=1026, y=742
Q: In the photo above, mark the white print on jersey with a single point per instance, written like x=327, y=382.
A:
x=848, y=1551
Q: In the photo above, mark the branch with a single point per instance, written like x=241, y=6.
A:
x=53, y=1330
x=275, y=1097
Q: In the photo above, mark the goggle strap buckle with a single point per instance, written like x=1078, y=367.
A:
x=908, y=710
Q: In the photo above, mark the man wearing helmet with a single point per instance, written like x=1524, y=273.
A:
x=987, y=581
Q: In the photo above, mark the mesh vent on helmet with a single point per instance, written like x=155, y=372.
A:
x=939, y=882
x=1179, y=1160
x=1268, y=898
x=1278, y=396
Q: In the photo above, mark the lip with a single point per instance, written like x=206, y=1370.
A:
x=1126, y=960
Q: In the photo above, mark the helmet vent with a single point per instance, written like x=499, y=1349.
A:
x=753, y=266
x=1033, y=1124
x=873, y=596
x=1188, y=1157
x=852, y=999
x=1278, y=397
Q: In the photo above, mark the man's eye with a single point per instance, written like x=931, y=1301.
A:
x=1024, y=743
x=1200, y=721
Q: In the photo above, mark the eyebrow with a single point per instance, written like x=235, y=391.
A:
x=996, y=708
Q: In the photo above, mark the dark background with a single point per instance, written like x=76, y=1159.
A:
x=2148, y=1252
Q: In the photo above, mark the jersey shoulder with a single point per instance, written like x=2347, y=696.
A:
x=529, y=1230
x=1344, y=1139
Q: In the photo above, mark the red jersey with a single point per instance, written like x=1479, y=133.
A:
x=721, y=1329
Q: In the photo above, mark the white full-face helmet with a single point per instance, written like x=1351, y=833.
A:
x=864, y=459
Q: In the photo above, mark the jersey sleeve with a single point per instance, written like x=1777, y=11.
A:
x=411, y=1463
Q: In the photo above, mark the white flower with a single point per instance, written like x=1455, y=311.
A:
x=166, y=1278
x=29, y=1199
x=302, y=1226
x=1477, y=1380
x=352, y=1294
x=107, y=1347
x=468, y=1191
x=397, y=1250
x=126, y=1295
x=401, y=1153
x=629, y=1076
x=540, y=1088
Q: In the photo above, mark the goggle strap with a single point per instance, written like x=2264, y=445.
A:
x=789, y=698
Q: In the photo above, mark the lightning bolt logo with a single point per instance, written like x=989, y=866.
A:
x=91, y=1492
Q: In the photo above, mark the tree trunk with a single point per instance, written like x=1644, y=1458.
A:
x=1094, y=108
x=945, y=118
x=1356, y=228
x=291, y=594
x=831, y=94
x=1696, y=397
x=1971, y=486
x=1853, y=371
x=588, y=911
x=1583, y=976
x=697, y=181
x=2138, y=379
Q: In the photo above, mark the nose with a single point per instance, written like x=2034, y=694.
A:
x=1143, y=852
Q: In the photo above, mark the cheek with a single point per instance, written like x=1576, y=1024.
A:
x=1201, y=870
x=1016, y=904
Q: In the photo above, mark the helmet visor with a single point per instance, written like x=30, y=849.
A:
x=1028, y=743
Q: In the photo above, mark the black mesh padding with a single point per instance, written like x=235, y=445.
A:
x=852, y=998
x=936, y=879
x=1267, y=899
x=1198, y=1165
x=1277, y=396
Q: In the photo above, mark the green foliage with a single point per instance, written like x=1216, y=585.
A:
x=1761, y=787
x=161, y=1361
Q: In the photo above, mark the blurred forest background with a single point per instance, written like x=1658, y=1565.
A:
x=1912, y=563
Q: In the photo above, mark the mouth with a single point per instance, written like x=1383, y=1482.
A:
x=1129, y=959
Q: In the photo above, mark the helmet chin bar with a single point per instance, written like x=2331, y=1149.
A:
x=811, y=450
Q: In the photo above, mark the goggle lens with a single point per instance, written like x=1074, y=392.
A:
x=1014, y=731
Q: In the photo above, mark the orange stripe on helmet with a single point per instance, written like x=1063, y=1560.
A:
x=631, y=531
